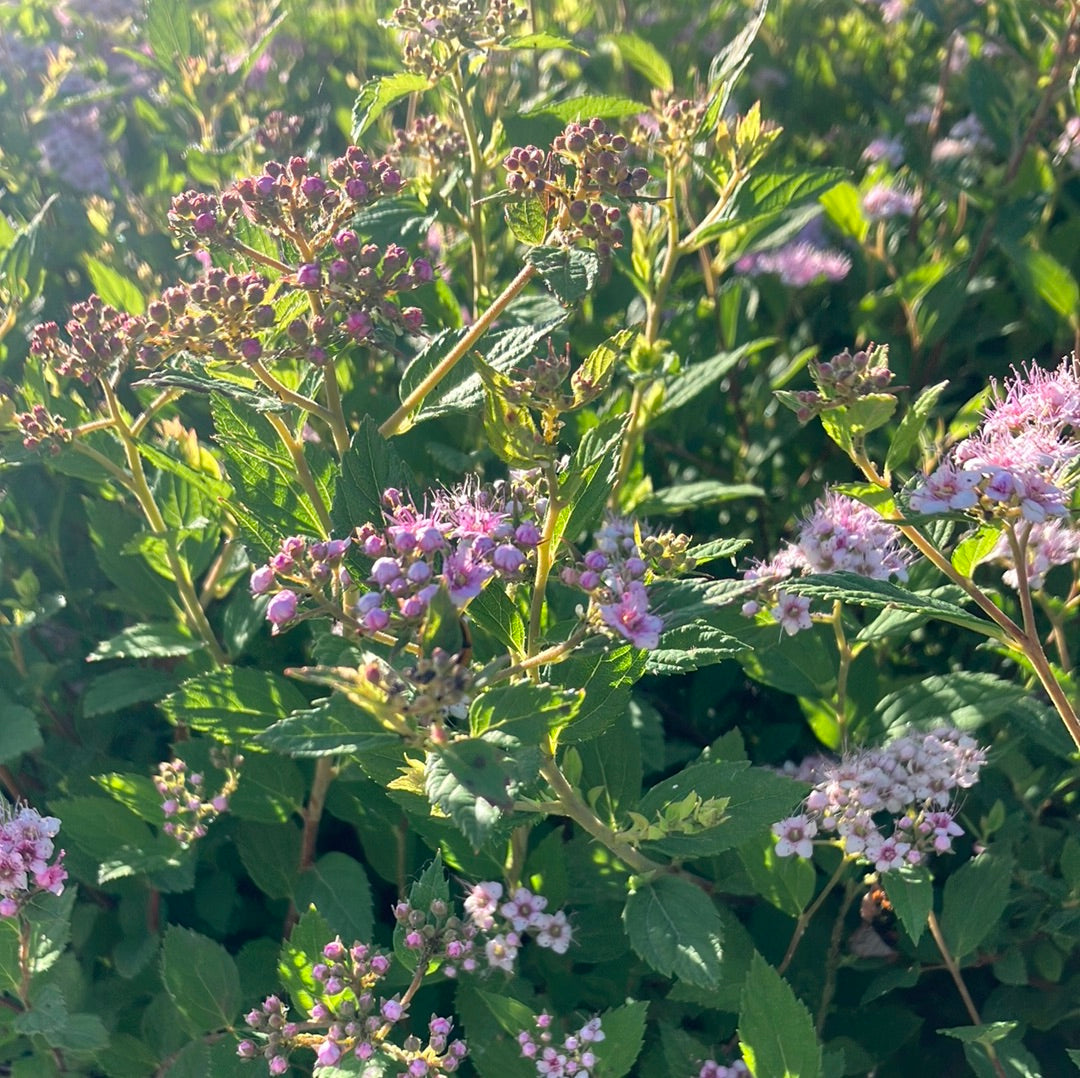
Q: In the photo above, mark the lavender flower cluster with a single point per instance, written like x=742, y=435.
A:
x=574, y=1058
x=351, y=1020
x=839, y=534
x=798, y=264
x=26, y=847
x=1054, y=542
x=711, y=1069
x=888, y=807
x=1020, y=465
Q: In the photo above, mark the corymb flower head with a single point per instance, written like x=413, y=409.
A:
x=27, y=864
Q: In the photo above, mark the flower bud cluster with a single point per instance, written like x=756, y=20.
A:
x=42, y=430
x=840, y=534
x=888, y=807
x=489, y=936
x=101, y=340
x=291, y=201
x=26, y=847
x=844, y=379
x=574, y=1058
x=671, y=127
x=185, y=805
x=301, y=567
x=1021, y=464
x=278, y=132
x=350, y=1019
x=431, y=142
x=615, y=571
x=424, y=693
x=586, y=164
x=223, y=316
x=438, y=31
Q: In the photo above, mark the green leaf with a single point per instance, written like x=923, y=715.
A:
x=299, y=953
x=606, y=678
x=470, y=782
x=201, y=979
x=169, y=31
x=492, y=1022
x=119, y=689
x=540, y=41
x=843, y=206
x=786, y=882
x=377, y=95
x=674, y=927
x=271, y=789
x=587, y=106
x=269, y=500
x=696, y=495
x=862, y=591
x=976, y=895
x=495, y=613
x=646, y=59
x=146, y=642
x=1043, y=277
x=962, y=698
x=595, y=373
x=586, y=484
x=569, y=273
x=911, y=426
x=368, y=469
x=233, y=704
x=337, y=886
x=48, y=1017
x=911, y=892
x=756, y=799
x=271, y=855
x=527, y=710
x=698, y=377
x=975, y=549
x=776, y=1033
x=527, y=221
x=624, y=1033
x=113, y=287
x=334, y=726
x=847, y=424
x=19, y=731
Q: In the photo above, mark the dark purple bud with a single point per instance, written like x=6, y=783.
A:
x=204, y=224
x=250, y=348
x=309, y=275
x=346, y=241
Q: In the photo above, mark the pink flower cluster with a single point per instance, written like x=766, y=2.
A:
x=798, y=264
x=839, y=535
x=300, y=567
x=184, y=804
x=26, y=846
x=885, y=200
x=888, y=807
x=1021, y=462
x=355, y=1021
x=1045, y=545
x=711, y=1069
x=574, y=1058
x=491, y=934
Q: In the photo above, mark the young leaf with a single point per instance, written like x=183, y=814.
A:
x=587, y=106
x=646, y=59
x=674, y=927
x=432, y=886
x=377, y=95
x=527, y=221
x=911, y=426
x=975, y=549
x=302, y=950
x=201, y=979
x=775, y=1030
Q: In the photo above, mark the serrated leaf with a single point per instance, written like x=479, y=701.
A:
x=119, y=689
x=540, y=41
x=776, y=1033
x=911, y=426
x=976, y=895
x=470, y=785
x=673, y=926
x=169, y=30
x=201, y=980
x=847, y=424
x=975, y=549
x=299, y=953
x=624, y=1033
x=271, y=855
x=334, y=726
x=606, y=678
x=1042, y=276
x=113, y=287
x=963, y=698
x=337, y=886
x=586, y=484
x=786, y=882
x=19, y=731
x=863, y=591
x=495, y=613
x=570, y=273
x=696, y=495
x=431, y=886
x=911, y=892
x=756, y=799
x=843, y=206
x=595, y=372
x=233, y=704
x=369, y=468
x=378, y=94
x=146, y=642
x=527, y=710
x=698, y=377
x=527, y=220
x=587, y=106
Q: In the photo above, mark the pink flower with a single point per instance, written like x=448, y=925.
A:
x=792, y=612
x=630, y=617
x=794, y=836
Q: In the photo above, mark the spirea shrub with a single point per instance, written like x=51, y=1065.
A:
x=493, y=577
